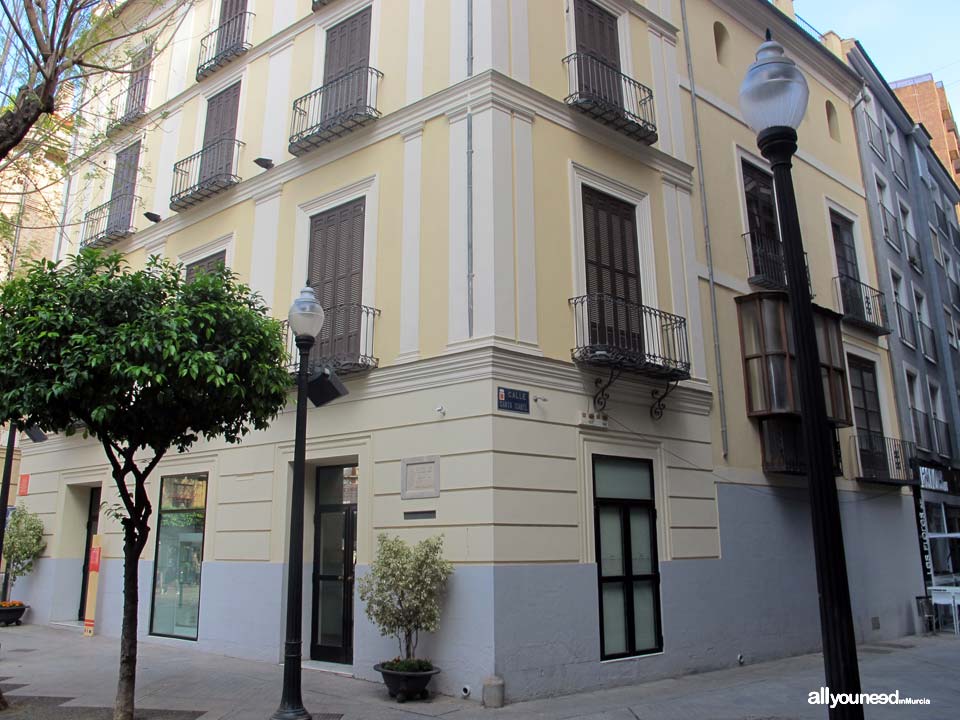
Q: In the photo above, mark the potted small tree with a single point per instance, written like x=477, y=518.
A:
x=403, y=592
x=22, y=545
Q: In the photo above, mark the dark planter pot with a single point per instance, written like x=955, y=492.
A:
x=406, y=685
x=12, y=615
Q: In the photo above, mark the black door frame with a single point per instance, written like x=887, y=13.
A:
x=343, y=654
x=93, y=501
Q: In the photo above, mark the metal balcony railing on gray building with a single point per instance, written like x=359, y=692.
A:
x=954, y=293
x=928, y=341
x=128, y=105
x=606, y=94
x=913, y=251
x=109, y=222
x=884, y=459
x=891, y=228
x=942, y=432
x=345, y=344
x=205, y=173
x=228, y=41
x=907, y=325
x=921, y=429
x=942, y=223
x=875, y=137
x=862, y=305
x=335, y=109
x=899, y=166
x=612, y=332
x=955, y=235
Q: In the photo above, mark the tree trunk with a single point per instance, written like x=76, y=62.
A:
x=408, y=643
x=16, y=122
x=3, y=701
x=123, y=709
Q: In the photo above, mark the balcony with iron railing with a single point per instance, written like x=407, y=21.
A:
x=765, y=262
x=862, y=305
x=954, y=293
x=921, y=430
x=875, y=137
x=317, y=4
x=913, y=251
x=335, y=109
x=891, y=228
x=109, y=222
x=205, y=173
x=345, y=345
x=227, y=42
x=907, y=325
x=604, y=93
x=899, y=166
x=941, y=430
x=955, y=234
x=783, y=451
x=612, y=332
x=884, y=459
x=928, y=341
x=128, y=105
x=942, y=223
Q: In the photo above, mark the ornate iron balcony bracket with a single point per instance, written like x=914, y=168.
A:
x=660, y=399
x=602, y=395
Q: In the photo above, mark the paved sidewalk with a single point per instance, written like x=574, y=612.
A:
x=75, y=677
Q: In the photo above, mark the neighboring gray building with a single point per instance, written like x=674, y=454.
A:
x=912, y=200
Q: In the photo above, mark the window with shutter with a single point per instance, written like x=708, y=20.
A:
x=336, y=275
x=347, y=57
x=219, y=133
x=766, y=252
x=137, y=83
x=612, y=271
x=232, y=20
x=124, y=185
x=598, y=43
x=208, y=264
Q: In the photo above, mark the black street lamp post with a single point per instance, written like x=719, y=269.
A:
x=773, y=99
x=306, y=320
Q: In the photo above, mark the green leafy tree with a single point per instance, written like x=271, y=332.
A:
x=144, y=361
x=404, y=588
x=23, y=543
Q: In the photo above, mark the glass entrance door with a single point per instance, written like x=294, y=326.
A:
x=334, y=557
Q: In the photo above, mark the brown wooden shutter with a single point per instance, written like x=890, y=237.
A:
x=207, y=264
x=336, y=274
x=124, y=185
x=347, y=53
x=612, y=271
x=598, y=43
x=231, y=25
x=221, y=125
x=137, y=87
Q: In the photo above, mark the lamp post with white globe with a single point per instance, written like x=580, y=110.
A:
x=773, y=99
x=306, y=321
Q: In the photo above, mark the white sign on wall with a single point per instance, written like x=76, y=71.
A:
x=932, y=479
x=420, y=478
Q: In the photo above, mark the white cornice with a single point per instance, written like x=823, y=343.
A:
x=477, y=92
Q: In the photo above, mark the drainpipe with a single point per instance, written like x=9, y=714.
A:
x=469, y=176
x=721, y=398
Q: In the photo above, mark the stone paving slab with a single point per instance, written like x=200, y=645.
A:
x=57, y=673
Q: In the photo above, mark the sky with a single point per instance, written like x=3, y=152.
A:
x=902, y=38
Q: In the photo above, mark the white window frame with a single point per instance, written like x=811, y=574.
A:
x=580, y=176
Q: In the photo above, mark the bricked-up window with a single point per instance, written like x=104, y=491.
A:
x=769, y=357
x=210, y=263
x=628, y=572
x=176, y=577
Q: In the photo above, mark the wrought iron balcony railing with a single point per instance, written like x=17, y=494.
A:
x=891, y=228
x=128, y=105
x=205, y=173
x=345, y=344
x=921, y=429
x=613, y=332
x=765, y=262
x=337, y=108
x=228, y=41
x=606, y=94
x=862, y=305
x=109, y=222
x=913, y=251
x=783, y=449
x=875, y=137
x=955, y=235
x=928, y=341
x=884, y=459
x=955, y=293
x=317, y=4
x=899, y=166
x=942, y=431
x=907, y=325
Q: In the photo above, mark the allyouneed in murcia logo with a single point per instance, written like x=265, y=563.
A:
x=823, y=696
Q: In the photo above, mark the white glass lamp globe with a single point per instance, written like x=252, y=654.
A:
x=774, y=92
x=306, y=316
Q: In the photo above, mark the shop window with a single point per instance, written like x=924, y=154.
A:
x=628, y=572
x=769, y=364
x=179, y=556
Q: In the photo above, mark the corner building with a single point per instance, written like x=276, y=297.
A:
x=509, y=233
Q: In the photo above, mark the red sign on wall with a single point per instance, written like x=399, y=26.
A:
x=95, y=559
x=24, y=486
